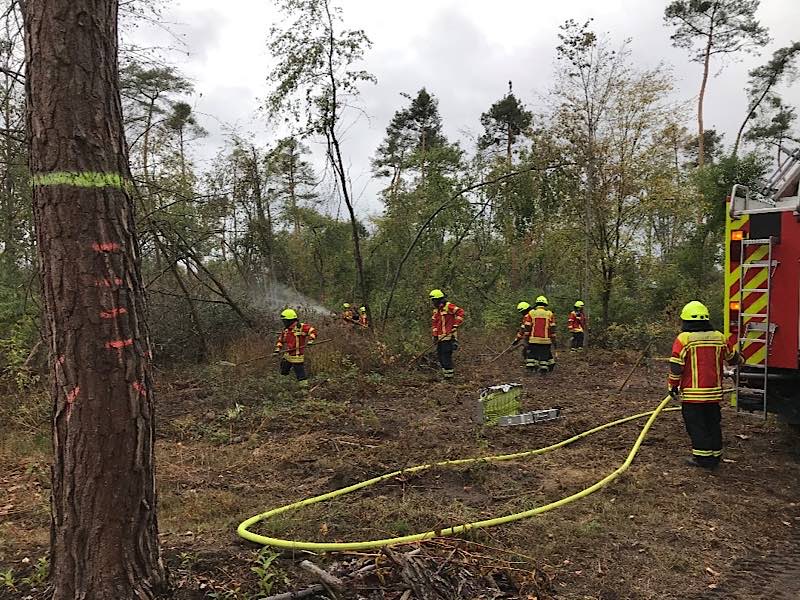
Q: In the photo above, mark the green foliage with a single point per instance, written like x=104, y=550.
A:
x=726, y=26
x=266, y=572
x=7, y=579
x=40, y=573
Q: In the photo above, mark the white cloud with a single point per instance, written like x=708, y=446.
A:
x=462, y=51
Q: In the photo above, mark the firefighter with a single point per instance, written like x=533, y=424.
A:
x=363, y=320
x=348, y=314
x=577, y=325
x=292, y=342
x=524, y=332
x=541, y=325
x=445, y=321
x=695, y=377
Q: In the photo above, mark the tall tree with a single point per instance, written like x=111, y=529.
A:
x=294, y=178
x=104, y=534
x=611, y=118
x=773, y=127
x=146, y=92
x=763, y=81
x=503, y=123
x=317, y=76
x=709, y=28
x=181, y=122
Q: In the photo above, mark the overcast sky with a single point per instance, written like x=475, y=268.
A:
x=463, y=51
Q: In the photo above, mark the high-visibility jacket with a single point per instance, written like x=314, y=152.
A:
x=293, y=340
x=696, y=365
x=541, y=323
x=445, y=321
x=348, y=315
x=524, y=331
x=577, y=321
x=362, y=320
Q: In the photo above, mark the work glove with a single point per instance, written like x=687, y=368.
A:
x=276, y=351
x=675, y=393
x=515, y=342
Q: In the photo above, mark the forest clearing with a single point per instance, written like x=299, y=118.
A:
x=230, y=446
x=341, y=300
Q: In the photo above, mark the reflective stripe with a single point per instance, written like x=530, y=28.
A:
x=716, y=453
x=702, y=452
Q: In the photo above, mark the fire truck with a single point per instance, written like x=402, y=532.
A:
x=762, y=292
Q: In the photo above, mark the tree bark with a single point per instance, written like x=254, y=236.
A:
x=104, y=533
x=700, y=99
x=335, y=156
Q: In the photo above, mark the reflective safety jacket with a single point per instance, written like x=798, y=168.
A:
x=577, y=321
x=445, y=321
x=293, y=341
x=363, y=321
x=696, y=365
x=524, y=331
x=541, y=323
x=349, y=316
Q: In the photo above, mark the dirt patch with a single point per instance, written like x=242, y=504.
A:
x=235, y=442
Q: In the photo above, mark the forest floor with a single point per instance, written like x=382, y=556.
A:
x=234, y=442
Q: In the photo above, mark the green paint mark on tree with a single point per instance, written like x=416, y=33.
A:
x=86, y=179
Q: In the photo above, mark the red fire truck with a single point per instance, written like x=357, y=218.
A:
x=762, y=292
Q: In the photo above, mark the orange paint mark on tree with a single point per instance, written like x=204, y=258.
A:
x=119, y=344
x=139, y=388
x=106, y=247
x=73, y=394
x=114, y=312
x=114, y=282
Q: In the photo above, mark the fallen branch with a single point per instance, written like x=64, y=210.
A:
x=325, y=578
x=636, y=364
x=318, y=588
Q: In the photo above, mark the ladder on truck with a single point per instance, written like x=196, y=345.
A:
x=755, y=329
x=783, y=176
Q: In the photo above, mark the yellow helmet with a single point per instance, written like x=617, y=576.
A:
x=436, y=294
x=695, y=311
x=289, y=315
x=542, y=300
x=363, y=309
x=579, y=304
x=523, y=307
x=346, y=305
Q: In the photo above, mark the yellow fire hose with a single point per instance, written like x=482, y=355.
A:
x=456, y=529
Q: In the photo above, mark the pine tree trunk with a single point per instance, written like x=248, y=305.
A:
x=701, y=138
x=104, y=534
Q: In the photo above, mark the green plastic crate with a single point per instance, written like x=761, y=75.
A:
x=498, y=401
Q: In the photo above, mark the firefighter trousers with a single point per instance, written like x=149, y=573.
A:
x=703, y=422
x=444, y=351
x=576, y=343
x=299, y=370
x=539, y=357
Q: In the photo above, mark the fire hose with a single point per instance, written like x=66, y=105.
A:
x=244, y=532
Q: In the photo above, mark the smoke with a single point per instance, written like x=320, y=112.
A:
x=270, y=295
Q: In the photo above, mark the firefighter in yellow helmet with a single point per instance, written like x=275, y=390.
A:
x=446, y=319
x=524, y=332
x=695, y=377
x=292, y=342
x=576, y=324
x=541, y=325
x=363, y=320
x=348, y=314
